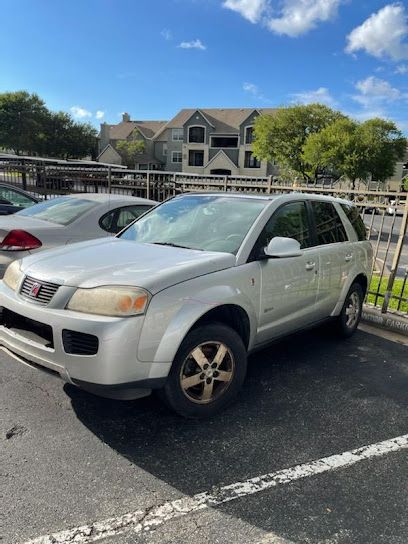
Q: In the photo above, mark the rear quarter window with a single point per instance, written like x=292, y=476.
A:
x=355, y=219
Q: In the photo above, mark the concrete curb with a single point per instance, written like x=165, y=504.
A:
x=389, y=321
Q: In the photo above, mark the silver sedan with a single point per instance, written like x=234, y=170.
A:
x=64, y=220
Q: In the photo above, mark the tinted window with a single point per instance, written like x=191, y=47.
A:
x=289, y=221
x=7, y=195
x=115, y=220
x=329, y=228
x=62, y=210
x=355, y=219
x=197, y=134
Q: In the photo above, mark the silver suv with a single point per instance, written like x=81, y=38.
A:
x=178, y=299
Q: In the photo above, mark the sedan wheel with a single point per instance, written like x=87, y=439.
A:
x=207, y=372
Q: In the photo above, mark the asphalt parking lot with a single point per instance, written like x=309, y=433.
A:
x=69, y=459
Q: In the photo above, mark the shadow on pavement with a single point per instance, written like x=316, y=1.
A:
x=305, y=397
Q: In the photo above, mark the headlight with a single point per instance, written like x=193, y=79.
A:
x=110, y=300
x=13, y=275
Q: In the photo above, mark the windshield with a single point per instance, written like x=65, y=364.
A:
x=62, y=210
x=211, y=223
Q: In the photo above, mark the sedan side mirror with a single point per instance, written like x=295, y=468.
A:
x=280, y=247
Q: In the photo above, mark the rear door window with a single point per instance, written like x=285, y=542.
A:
x=8, y=196
x=355, y=219
x=329, y=227
x=116, y=220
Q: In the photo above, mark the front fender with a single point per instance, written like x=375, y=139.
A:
x=172, y=313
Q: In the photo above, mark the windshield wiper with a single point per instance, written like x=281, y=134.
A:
x=171, y=245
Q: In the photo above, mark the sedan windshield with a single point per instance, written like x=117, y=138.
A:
x=210, y=223
x=62, y=210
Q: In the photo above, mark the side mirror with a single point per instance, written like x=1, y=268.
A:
x=280, y=247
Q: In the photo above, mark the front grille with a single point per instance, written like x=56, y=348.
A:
x=29, y=328
x=79, y=343
x=38, y=291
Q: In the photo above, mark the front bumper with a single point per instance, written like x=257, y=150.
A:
x=114, y=367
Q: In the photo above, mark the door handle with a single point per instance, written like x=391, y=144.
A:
x=310, y=265
x=348, y=257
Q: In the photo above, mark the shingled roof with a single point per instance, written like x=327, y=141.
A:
x=122, y=130
x=224, y=120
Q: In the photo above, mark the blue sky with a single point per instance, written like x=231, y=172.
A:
x=98, y=58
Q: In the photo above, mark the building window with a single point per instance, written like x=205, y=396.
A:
x=196, y=135
x=176, y=156
x=251, y=161
x=249, y=135
x=224, y=141
x=196, y=158
x=177, y=134
x=165, y=150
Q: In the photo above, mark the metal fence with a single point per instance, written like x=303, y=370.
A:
x=384, y=213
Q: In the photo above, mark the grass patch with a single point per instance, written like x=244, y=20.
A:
x=381, y=287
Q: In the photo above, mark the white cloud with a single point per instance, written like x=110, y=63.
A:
x=80, y=113
x=401, y=69
x=194, y=44
x=254, y=90
x=250, y=9
x=382, y=34
x=250, y=88
x=166, y=34
x=292, y=17
x=321, y=95
x=374, y=92
x=299, y=16
x=100, y=114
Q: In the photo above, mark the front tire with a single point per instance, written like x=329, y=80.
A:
x=350, y=315
x=207, y=372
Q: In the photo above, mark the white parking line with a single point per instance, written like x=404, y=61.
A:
x=145, y=520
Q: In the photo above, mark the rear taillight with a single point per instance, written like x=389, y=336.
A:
x=19, y=240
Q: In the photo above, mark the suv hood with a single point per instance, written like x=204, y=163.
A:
x=119, y=262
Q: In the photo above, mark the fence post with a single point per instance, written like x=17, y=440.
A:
x=270, y=179
x=396, y=259
x=148, y=185
x=109, y=179
x=225, y=183
x=24, y=176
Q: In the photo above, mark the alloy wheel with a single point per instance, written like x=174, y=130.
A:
x=207, y=372
x=352, y=310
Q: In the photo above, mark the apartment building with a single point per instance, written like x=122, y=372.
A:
x=202, y=141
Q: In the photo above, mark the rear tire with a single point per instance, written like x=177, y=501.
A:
x=347, y=322
x=207, y=372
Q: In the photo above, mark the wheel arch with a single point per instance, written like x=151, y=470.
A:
x=231, y=315
x=360, y=278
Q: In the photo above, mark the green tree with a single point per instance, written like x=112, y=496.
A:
x=405, y=183
x=28, y=126
x=79, y=140
x=129, y=149
x=355, y=150
x=338, y=151
x=281, y=136
x=22, y=122
x=386, y=145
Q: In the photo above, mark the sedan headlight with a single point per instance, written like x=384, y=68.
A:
x=110, y=300
x=13, y=275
